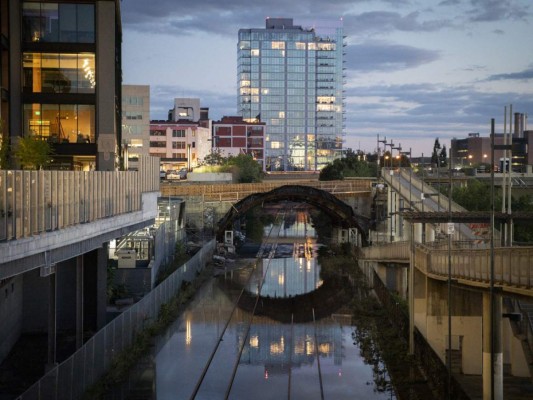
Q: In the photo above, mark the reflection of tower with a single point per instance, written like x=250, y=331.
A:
x=279, y=347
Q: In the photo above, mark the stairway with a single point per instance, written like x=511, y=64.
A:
x=457, y=366
x=523, y=329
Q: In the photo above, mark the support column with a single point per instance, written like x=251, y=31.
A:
x=52, y=323
x=79, y=301
x=418, y=233
x=492, y=340
x=412, y=291
x=101, y=286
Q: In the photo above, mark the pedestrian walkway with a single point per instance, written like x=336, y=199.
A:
x=514, y=388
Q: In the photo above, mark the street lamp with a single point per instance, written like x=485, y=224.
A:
x=399, y=148
x=391, y=144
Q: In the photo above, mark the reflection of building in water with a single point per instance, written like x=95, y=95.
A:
x=286, y=277
x=271, y=345
x=296, y=224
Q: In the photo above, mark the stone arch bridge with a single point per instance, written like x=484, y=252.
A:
x=325, y=201
x=227, y=201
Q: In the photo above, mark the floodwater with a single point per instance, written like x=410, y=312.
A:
x=219, y=350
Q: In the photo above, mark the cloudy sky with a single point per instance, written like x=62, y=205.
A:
x=416, y=69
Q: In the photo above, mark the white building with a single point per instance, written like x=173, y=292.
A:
x=179, y=144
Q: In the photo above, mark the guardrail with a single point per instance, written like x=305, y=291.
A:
x=395, y=251
x=32, y=202
x=70, y=379
x=418, y=184
x=237, y=191
x=513, y=266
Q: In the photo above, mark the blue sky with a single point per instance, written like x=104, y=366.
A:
x=416, y=69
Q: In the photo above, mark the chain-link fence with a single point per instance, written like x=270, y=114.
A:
x=72, y=377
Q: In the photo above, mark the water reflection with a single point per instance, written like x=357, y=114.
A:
x=278, y=360
x=286, y=277
x=278, y=346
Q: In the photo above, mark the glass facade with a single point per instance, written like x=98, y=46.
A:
x=291, y=78
x=58, y=22
x=58, y=49
x=58, y=73
x=60, y=123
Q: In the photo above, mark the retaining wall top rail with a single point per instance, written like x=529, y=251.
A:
x=32, y=202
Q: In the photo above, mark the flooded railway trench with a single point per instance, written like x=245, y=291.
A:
x=219, y=349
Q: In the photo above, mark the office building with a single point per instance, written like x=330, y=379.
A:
x=180, y=144
x=234, y=136
x=291, y=77
x=475, y=149
x=61, y=79
x=135, y=124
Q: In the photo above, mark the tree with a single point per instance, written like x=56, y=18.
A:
x=443, y=157
x=4, y=147
x=435, y=153
x=214, y=158
x=32, y=153
x=474, y=197
x=332, y=172
x=245, y=168
x=354, y=164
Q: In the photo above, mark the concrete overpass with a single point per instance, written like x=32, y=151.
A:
x=468, y=296
x=54, y=231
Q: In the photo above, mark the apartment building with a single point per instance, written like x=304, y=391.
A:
x=179, y=144
x=234, y=136
x=291, y=77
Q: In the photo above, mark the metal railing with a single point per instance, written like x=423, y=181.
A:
x=71, y=378
x=32, y=202
x=513, y=266
x=395, y=251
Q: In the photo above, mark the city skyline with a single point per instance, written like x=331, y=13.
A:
x=415, y=70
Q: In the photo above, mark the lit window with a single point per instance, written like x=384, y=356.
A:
x=325, y=99
x=326, y=46
x=278, y=45
x=300, y=46
x=281, y=114
x=255, y=52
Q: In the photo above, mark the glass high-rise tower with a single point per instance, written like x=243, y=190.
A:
x=291, y=78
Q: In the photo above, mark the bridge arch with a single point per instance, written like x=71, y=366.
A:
x=325, y=201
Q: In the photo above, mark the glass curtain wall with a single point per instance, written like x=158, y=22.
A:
x=59, y=79
x=60, y=123
x=292, y=80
